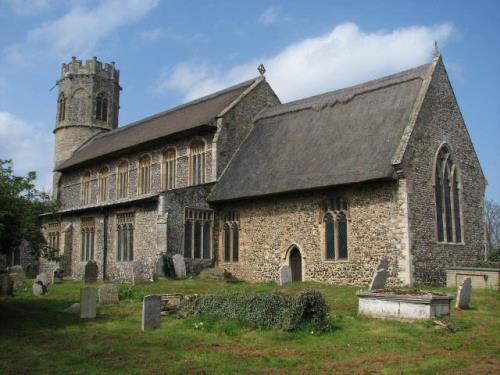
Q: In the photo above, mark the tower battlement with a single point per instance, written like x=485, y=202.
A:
x=90, y=67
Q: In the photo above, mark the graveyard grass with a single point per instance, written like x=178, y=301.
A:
x=37, y=338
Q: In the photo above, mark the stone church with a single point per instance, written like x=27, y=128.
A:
x=329, y=185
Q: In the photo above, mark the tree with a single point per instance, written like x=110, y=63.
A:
x=20, y=207
x=493, y=230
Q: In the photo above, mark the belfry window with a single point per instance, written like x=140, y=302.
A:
x=198, y=226
x=168, y=168
x=144, y=180
x=62, y=107
x=85, y=189
x=197, y=162
x=101, y=107
x=335, y=229
x=447, y=192
x=122, y=180
x=125, y=237
x=88, y=238
x=231, y=236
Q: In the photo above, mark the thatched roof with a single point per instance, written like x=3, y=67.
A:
x=341, y=137
x=200, y=112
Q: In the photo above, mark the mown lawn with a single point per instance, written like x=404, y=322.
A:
x=37, y=338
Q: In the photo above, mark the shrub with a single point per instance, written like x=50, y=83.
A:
x=125, y=292
x=268, y=309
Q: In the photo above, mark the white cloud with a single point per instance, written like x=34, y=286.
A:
x=152, y=34
x=28, y=7
x=78, y=31
x=27, y=147
x=269, y=16
x=342, y=57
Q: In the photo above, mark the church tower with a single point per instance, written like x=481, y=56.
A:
x=88, y=102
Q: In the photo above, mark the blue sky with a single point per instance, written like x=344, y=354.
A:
x=172, y=51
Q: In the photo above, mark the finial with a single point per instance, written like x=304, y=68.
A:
x=436, y=49
x=261, y=69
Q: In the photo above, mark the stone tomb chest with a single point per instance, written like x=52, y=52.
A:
x=403, y=305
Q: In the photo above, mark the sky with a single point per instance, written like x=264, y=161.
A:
x=169, y=52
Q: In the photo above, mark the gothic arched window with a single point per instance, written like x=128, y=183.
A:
x=85, y=188
x=235, y=242
x=122, y=180
x=144, y=180
x=231, y=236
x=101, y=107
x=227, y=243
x=335, y=221
x=168, y=168
x=197, y=162
x=447, y=188
x=62, y=107
x=102, y=183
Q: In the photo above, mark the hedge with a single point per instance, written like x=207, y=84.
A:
x=267, y=309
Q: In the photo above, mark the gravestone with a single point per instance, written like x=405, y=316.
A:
x=38, y=288
x=108, y=294
x=17, y=279
x=160, y=271
x=285, y=275
x=90, y=276
x=179, y=266
x=151, y=312
x=463, y=294
x=137, y=275
x=88, y=303
x=57, y=276
x=6, y=285
x=44, y=279
x=380, y=277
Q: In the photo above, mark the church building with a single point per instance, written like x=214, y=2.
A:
x=329, y=185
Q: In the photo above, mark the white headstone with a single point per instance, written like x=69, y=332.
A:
x=88, y=303
x=44, y=278
x=463, y=294
x=179, y=266
x=380, y=276
x=151, y=312
x=285, y=275
x=108, y=294
x=38, y=288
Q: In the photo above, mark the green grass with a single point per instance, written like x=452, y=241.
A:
x=36, y=337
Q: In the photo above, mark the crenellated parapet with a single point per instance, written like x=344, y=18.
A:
x=89, y=68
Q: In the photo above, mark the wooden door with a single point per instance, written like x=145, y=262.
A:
x=296, y=264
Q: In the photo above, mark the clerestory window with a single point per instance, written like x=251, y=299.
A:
x=197, y=162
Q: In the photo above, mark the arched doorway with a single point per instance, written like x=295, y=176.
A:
x=295, y=260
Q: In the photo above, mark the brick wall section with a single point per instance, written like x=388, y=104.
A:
x=269, y=227
x=440, y=121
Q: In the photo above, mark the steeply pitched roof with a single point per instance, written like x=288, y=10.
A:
x=341, y=137
x=187, y=116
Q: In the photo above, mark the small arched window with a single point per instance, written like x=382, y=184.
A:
x=103, y=184
x=235, y=242
x=62, y=107
x=231, y=236
x=197, y=162
x=101, y=107
x=168, y=168
x=122, y=180
x=227, y=243
x=335, y=221
x=447, y=192
x=85, y=188
x=144, y=178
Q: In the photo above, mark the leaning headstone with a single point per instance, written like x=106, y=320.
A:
x=160, y=270
x=179, y=266
x=90, y=276
x=88, y=303
x=108, y=294
x=43, y=278
x=380, y=277
x=285, y=275
x=38, y=288
x=6, y=285
x=151, y=312
x=57, y=276
x=73, y=309
x=463, y=294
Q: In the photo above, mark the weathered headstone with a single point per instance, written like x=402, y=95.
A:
x=88, y=303
x=285, y=275
x=160, y=271
x=179, y=266
x=463, y=294
x=151, y=312
x=43, y=278
x=73, y=309
x=90, y=276
x=6, y=285
x=380, y=277
x=17, y=279
x=57, y=276
x=38, y=288
x=108, y=294
x=137, y=274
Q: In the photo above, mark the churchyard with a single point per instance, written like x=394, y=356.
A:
x=37, y=337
